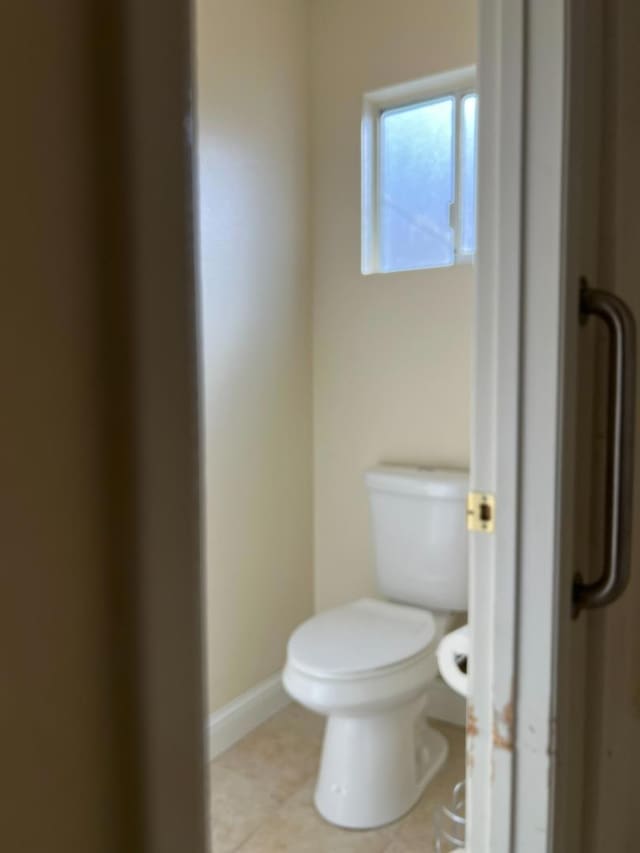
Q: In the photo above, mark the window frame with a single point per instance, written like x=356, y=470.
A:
x=455, y=84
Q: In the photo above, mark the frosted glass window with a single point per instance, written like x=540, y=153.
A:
x=468, y=175
x=417, y=165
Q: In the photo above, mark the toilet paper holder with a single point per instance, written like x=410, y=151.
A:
x=453, y=660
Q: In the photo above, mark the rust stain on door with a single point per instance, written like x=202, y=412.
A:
x=472, y=722
x=503, y=728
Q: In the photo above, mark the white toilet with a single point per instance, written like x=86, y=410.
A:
x=367, y=666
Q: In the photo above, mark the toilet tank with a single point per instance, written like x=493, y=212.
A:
x=418, y=523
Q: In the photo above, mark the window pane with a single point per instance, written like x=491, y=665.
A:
x=468, y=170
x=416, y=185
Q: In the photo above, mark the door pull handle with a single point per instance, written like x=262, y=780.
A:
x=619, y=489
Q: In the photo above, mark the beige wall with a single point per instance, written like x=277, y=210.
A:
x=253, y=122
x=391, y=353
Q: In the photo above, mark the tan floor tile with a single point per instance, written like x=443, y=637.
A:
x=298, y=828
x=397, y=846
x=304, y=795
x=300, y=720
x=262, y=795
x=237, y=807
x=277, y=755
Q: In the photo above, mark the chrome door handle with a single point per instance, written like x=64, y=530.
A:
x=619, y=490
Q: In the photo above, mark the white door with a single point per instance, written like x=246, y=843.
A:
x=553, y=700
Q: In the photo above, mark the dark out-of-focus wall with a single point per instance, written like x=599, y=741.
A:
x=100, y=696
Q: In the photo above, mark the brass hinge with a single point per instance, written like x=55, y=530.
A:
x=481, y=512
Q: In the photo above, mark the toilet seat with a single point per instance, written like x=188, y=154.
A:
x=365, y=656
x=362, y=639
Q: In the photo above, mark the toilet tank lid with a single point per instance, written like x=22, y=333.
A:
x=450, y=483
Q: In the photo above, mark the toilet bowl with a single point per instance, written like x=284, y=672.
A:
x=367, y=667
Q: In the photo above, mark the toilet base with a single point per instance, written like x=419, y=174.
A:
x=375, y=768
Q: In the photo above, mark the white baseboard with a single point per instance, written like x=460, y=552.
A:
x=232, y=722
x=446, y=705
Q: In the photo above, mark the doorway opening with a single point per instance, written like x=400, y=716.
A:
x=336, y=204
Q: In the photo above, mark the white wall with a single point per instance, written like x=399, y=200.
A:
x=253, y=125
x=392, y=352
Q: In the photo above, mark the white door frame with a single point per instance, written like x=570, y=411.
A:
x=516, y=599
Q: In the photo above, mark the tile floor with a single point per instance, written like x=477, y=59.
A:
x=261, y=795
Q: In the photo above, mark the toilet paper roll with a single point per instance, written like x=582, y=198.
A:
x=453, y=648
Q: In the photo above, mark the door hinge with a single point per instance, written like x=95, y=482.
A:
x=481, y=512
